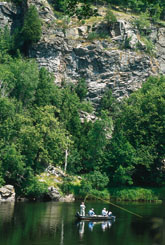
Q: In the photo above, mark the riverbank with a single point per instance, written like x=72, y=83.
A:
x=55, y=185
x=133, y=194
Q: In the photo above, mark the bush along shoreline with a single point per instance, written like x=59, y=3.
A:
x=65, y=188
x=133, y=194
x=83, y=189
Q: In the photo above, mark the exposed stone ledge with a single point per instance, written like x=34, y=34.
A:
x=54, y=195
x=69, y=55
x=67, y=198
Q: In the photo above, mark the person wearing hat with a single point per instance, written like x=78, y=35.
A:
x=91, y=212
x=82, y=209
x=104, y=212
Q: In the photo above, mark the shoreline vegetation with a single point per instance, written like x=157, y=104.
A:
x=81, y=188
x=126, y=194
x=41, y=123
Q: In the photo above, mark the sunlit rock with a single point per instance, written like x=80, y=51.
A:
x=7, y=193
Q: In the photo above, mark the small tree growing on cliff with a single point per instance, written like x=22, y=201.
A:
x=81, y=89
x=31, y=30
x=110, y=18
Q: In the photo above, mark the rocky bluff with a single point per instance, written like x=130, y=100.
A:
x=68, y=50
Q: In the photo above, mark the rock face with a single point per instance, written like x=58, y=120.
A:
x=7, y=193
x=67, y=198
x=51, y=170
x=44, y=9
x=65, y=50
x=160, y=46
x=10, y=15
x=53, y=194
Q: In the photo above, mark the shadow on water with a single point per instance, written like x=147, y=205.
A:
x=153, y=227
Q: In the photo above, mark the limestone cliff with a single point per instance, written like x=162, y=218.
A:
x=66, y=50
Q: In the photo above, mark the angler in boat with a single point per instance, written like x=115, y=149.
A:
x=105, y=215
x=91, y=212
x=104, y=212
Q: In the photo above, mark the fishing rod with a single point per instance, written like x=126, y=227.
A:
x=115, y=205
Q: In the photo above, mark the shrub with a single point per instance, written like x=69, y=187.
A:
x=143, y=24
x=110, y=18
x=6, y=41
x=85, y=188
x=123, y=175
x=96, y=35
x=149, y=46
x=134, y=194
x=135, y=5
x=92, y=36
x=126, y=43
x=66, y=186
x=100, y=194
x=97, y=180
x=87, y=106
x=81, y=89
x=155, y=12
x=35, y=189
x=2, y=182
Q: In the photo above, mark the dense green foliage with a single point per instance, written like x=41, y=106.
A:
x=134, y=194
x=39, y=120
x=124, y=146
x=137, y=147
x=83, y=8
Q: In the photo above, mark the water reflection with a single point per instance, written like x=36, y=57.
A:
x=81, y=226
x=154, y=227
x=157, y=230
x=6, y=211
x=54, y=224
x=104, y=225
x=91, y=225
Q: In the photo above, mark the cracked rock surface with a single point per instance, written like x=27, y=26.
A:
x=70, y=55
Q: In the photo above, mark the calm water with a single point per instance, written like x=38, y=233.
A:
x=54, y=224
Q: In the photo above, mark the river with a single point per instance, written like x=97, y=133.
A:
x=53, y=223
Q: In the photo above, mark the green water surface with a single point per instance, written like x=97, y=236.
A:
x=52, y=223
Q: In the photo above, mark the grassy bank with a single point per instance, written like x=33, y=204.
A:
x=137, y=194
x=119, y=194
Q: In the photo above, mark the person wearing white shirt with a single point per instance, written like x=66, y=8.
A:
x=82, y=209
x=104, y=212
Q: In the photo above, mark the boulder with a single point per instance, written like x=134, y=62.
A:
x=53, y=193
x=67, y=198
x=7, y=193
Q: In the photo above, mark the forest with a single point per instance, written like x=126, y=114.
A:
x=84, y=8
x=39, y=120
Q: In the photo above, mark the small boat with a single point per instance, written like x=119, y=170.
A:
x=95, y=217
